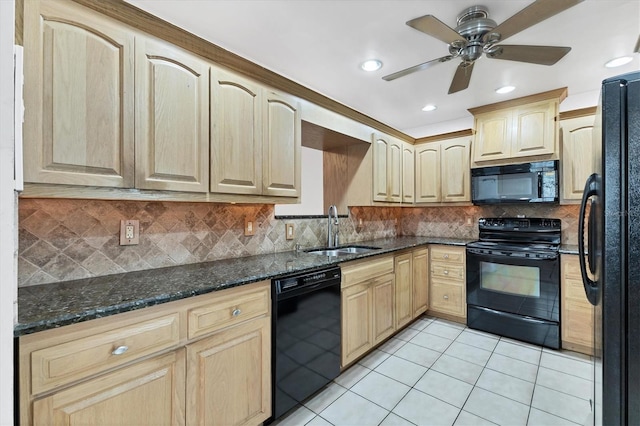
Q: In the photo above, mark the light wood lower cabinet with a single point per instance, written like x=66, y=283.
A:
x=149, y=392
x=576, y=313
x=203, y=360
x=447, y=286
x=420, y=281
x=412, y=279
x=368, y=305
x=228, y=376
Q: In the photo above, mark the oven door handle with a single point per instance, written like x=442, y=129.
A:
x=510, y=256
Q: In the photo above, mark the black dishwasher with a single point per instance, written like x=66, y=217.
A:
x=306, y=336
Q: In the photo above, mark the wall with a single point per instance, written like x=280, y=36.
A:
x=8, y=240
x=63, y=239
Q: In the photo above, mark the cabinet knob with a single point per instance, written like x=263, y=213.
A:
x=446, y=272
x=120, y=350
x=236, y=312
x=445, y=297
x=446, y=256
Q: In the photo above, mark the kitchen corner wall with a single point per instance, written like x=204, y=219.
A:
x=61, y=239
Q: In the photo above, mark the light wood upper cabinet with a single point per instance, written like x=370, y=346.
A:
x=576, y=136
x=455, y=179
x=387, y=169
x=150, y=392
x=172, y=120
x=282, y=145
x=493, y=136
x=442, y=171
x=236, y=134
x=408, y=173
x=79, y=97
x=428, y=185
x=518, y=130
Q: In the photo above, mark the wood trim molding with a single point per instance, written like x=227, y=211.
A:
x=559, y=94
x=144, y=21
x=443, y=136
x=582, y=112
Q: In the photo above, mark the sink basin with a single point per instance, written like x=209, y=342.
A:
x=343, y=251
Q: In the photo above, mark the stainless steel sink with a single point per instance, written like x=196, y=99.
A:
x=343, y=251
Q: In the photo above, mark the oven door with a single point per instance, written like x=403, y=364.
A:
x=513, y=284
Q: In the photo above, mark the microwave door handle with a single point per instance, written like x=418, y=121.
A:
x=539, y=185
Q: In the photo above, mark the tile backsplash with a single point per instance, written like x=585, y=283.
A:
x=62, y=239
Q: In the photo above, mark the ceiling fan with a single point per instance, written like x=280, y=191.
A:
x=476, y=34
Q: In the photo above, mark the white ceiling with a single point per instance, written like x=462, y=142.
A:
x=320, y=44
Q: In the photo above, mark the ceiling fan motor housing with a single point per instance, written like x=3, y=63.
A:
x=473, y=24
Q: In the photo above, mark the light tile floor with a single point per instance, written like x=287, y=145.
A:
x=437, y=372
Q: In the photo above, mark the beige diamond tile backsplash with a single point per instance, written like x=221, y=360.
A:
x=61, y=240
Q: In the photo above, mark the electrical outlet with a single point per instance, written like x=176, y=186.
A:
x=468, y=221
x=290, y=231
x=249, y=227
x=129, y=232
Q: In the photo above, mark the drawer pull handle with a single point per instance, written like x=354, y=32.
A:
x=446, y=256
x=446, y=272
x=236, y=312
x=120, y=350
x=446, y=297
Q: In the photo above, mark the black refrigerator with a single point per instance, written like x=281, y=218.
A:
x=610, y=259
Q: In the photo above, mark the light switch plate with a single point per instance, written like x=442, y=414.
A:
x=129, y=232
x=290, y=234
x=249, y=227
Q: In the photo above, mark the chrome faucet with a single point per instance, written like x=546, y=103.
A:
x=333, y=239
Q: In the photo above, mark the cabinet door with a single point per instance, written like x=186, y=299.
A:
x=281, y=149
x=395, y=172
x=535, y=129
x=493, y=136
x=229, y=376
x=404, y=286
x=577, y=313
x=381, y=148
x=456, y=183
x=408, y=174
x=428, y=173
x=383, y=307
x=149, y=392
x=356, y=322
x=172, y=118
x=236, y=134
x=577, y=156
x=78, y=95
x=420, y=281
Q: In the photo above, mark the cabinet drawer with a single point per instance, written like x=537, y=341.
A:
x=447, y=254
x=448, y=271
x=362, y=270
x=235, y=307
x=58, y=365
x=447, y=299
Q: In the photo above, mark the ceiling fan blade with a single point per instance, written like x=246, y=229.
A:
x=528, y=17
x=542, y=55
x=462, y=77
x=432, y=26
x=419, y=67
x=637, y=49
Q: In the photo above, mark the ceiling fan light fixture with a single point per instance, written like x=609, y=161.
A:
x=429, y=107
x=505, y=89
x=371, y=65
x=618, y=62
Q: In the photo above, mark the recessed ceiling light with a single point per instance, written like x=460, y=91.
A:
x=371, y=65
x=618, y=62
x=430, y=108
x=505, y=89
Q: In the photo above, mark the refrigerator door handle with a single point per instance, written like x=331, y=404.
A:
x=590, y=286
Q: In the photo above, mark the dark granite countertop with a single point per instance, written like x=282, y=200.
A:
x=55, y=305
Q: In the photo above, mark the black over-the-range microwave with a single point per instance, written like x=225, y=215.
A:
x=515, y=183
